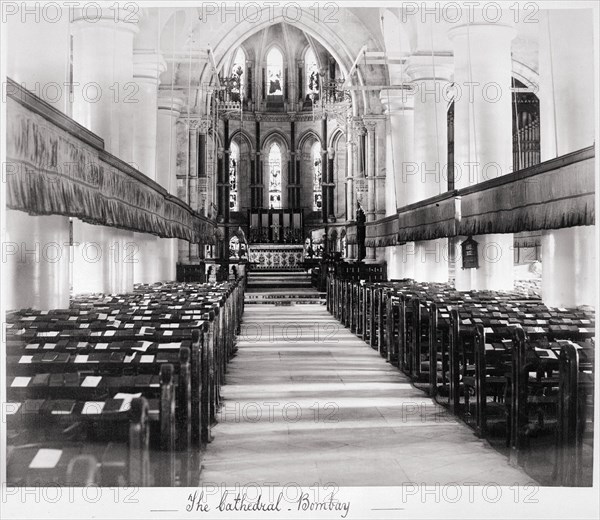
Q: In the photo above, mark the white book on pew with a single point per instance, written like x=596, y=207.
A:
x=91, y=381
x=45, y=459
x=12, y=408
x=144, y=345
x=169, y=346
x=127, y=398
x=26, y=359
x=547, y=353
x=20, y=382
x=92, y=408
x=145, y=330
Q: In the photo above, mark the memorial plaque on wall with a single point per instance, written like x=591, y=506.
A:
x=470, y=258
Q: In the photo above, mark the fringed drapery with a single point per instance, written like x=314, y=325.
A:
x=351, y=234
x=555, y=194
x=56, y=167
x=382, y=233
x=429, y=219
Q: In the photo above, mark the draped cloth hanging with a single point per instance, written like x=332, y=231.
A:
x=429, y=219
x=382, y=233
x=57, y=167
x=554, y=194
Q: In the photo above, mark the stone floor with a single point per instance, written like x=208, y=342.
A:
x=308, y=403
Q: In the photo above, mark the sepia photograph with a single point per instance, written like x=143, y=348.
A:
x=299, y=259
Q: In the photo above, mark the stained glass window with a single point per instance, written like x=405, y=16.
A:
x=313, y=81
x=275, y=176
x=274, y=72
x=316, y=162
x=237, y=72
x=234, y=159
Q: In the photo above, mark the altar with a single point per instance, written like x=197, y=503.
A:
x=275, y=256
x=275, y=226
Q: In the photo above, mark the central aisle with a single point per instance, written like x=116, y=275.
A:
x=307, y=402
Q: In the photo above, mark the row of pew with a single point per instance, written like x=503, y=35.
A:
x=119, y=390
x=505, y=363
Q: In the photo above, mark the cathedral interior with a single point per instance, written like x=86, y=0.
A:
x=390, y=170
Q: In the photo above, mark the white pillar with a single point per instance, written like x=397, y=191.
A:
x=147, y=67
x=169, y=109
x=567, y=118
x=483, y=136
x=398, y=106
x=104, y=90
x=33, y=62
x=104, y=98
x=36, y=262
x=428, y=175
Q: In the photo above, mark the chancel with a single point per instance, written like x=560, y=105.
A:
x=256, y=246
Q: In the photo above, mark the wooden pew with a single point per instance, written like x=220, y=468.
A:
x=575, y=414
x=124, y=460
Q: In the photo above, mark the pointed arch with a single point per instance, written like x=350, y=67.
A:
x=317, y=179
x=242, y=135
x=275, y=165
x=275, y=67
x=308, y=135
x=312, y=73
x=274, y=135
x=335, y=137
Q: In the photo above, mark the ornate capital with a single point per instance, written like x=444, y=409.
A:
x=201, y=125
x=370, y=125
